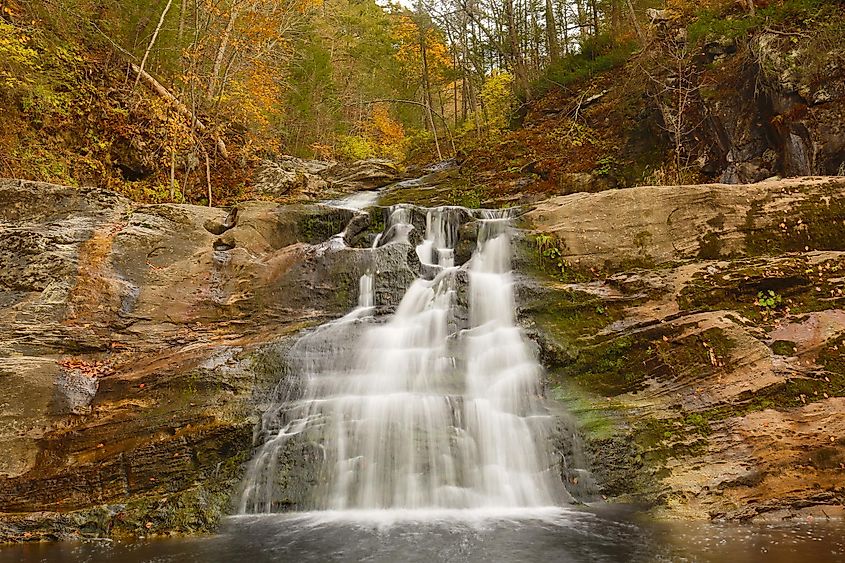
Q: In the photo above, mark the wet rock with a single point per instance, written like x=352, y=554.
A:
x=223, y=244
x=156, y=420
x=218, y=228
x=356, y=227
x=467, y=239
x=691, y=395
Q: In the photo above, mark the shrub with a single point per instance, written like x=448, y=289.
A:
x=597, y=55
x=355, y=147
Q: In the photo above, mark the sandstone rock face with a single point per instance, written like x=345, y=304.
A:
x=135, y=344
x=138, y=344
x=698, y=334
x=648, y=226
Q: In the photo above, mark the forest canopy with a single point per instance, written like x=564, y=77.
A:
x=171, y=92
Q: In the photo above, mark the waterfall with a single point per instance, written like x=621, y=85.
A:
x=425, y=410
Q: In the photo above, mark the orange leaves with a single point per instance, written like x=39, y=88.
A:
x=384, y=133
x=379, y=136
x=385, y=129
x=306, y=5
x=89, y=368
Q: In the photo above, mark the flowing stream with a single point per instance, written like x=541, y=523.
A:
x=427, y=411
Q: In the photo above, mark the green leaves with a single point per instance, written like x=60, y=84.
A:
x=768, y=300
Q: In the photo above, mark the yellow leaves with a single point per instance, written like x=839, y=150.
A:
x=409, y=40
x=497, y=93
x=253, y=96
x=381, y=136
x=17, y=58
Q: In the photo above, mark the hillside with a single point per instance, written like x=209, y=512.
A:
x=704, y=93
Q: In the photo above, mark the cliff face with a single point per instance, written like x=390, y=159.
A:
x=694, y=331
x=697, y=332
x=138, y=342
x=773, y=107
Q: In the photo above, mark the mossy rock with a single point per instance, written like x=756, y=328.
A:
x=783, y=347
x=814, y=224
x=318, y=224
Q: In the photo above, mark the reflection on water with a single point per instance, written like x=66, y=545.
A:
x=560, y=535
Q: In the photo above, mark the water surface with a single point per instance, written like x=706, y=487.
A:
x=553, y=534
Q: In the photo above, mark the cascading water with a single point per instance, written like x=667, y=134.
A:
x=422, y=411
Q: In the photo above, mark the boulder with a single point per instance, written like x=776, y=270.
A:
x=321, y=179
x=368, y=174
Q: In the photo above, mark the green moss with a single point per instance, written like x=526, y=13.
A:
x=712, y=24
x=377, y=220
x=817, y=224
x=626, y=364
x=801, y=286
x=443, y=188
x=595, y=421
x=663, y=439
x=832, y=358
x=610, y=368
x=597, y=55
x=195, y=510
x=792, y=393
x=827, y=458
x=550, y=252
x=710, y=246
x=317, y=227
x=468, y=195
x=568, y=317
x=783, y=347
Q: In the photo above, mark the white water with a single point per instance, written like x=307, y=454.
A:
x=417, y=414
x=438, y=247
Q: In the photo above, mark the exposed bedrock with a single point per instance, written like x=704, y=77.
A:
x=136, y=343
x=695, y=333
x=698, y=334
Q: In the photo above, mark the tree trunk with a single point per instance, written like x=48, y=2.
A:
x=551, y=33
x=221, y=52
x=427, y=89
x=182, y=14
x=172, y=173
x=208, y=177
x=180, y=107
x=635, y=22
x=517, y=62
x=152, y=41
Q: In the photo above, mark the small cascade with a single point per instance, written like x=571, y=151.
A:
x=423, y=410
x=441, y=233
x=366, y=291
